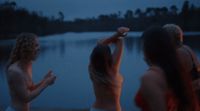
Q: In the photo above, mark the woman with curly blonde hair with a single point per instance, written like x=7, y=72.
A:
x=19, y=73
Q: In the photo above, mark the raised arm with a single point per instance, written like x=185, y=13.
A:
x=118, y=51
x=121, y=32
x=117, y=54
x=109, y=40
x=20, y=88
x=116, y=39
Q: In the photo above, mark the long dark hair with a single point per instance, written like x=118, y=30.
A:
x=101, y=58
x=160, y=49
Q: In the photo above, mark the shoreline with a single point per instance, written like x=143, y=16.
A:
x=131, y=33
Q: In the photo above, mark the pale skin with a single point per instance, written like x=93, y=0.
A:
x=153, y=88
x=22, y=89
x=154, y=85
x=117, y=55
x=183, y=54
x=185, y=59
x=111, y=100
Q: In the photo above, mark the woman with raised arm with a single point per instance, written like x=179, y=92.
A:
x=19, y=73
x=104, y=72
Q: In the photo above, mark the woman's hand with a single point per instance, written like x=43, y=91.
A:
x=122, y=31
x=50, y=72
x=49, y=78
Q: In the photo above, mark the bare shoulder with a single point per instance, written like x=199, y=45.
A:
x=152, y=75
x=184, y=56
x=153, y=78
x=149, y=77
x=14, y=71
x=187, y=47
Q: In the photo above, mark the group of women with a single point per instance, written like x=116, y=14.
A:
x=167, y=84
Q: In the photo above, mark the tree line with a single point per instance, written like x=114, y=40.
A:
x=14, y=20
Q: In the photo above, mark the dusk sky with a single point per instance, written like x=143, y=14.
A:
x=92, y=8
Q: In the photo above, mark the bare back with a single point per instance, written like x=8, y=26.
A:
x=107, y=90
x=19, y=84
x=153, y=88
x=185, y=58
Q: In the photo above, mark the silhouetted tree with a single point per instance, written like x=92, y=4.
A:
x=149, y=12
x=164, y=11
x=14, y=20
x=173, y=10
x=185, y=14
x=61, y=16
x=138, y=12
x=128, y=15
x=185, y=9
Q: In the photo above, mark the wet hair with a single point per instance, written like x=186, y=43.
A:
x=160, y=49
x=101, y=58
x=24, y=48
x=175, y=31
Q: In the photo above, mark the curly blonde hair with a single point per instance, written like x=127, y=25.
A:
x=175, y=31
x=24, y=48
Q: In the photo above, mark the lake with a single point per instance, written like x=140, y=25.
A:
x=68, y=56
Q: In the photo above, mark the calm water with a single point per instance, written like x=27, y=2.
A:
x=68, y=56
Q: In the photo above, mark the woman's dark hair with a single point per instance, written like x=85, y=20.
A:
x=101, y=58
x=160, y=49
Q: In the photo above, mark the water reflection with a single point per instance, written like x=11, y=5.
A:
x=131, y=44
x=193, y=42
x=5, y=50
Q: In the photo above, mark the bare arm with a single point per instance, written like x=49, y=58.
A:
x=109, y=40
x=121, y=32
x=35, y=86
x=153, y=94
x=117, y=54
x=118, y=42
x=20, y=88
x=49, y=74
x=185, y=59
x=195, y=58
